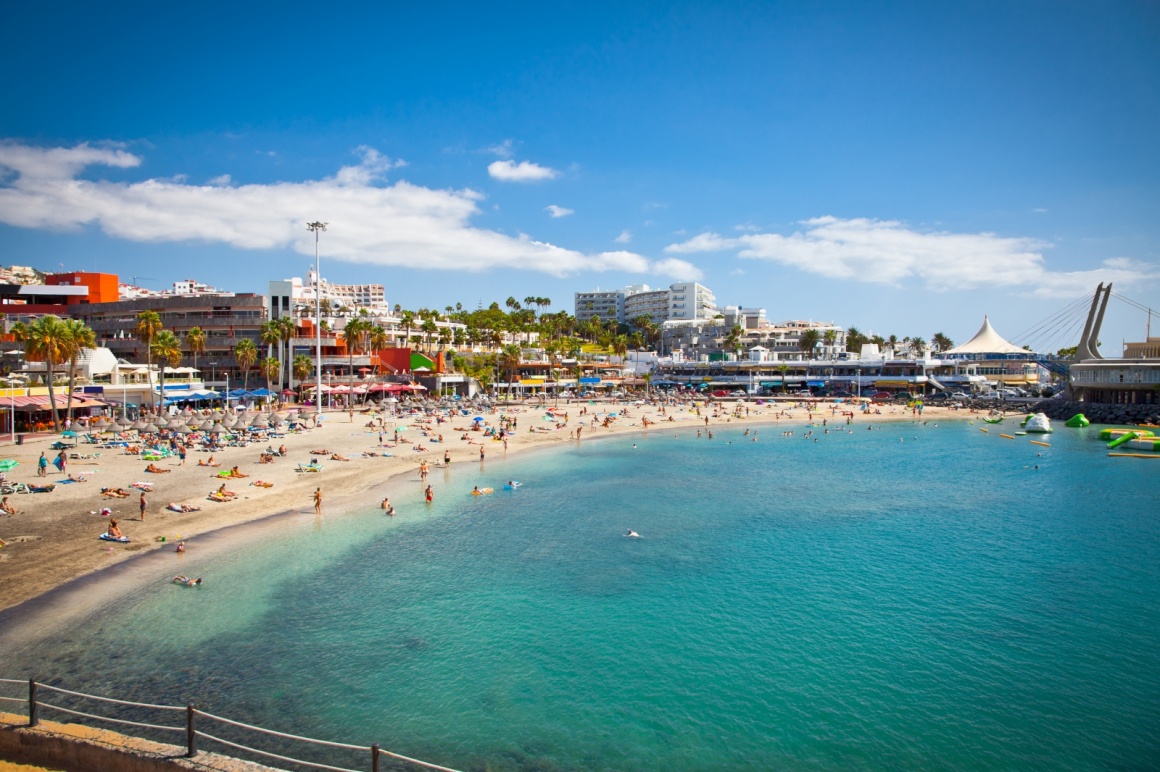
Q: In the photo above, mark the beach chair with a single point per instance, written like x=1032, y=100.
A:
x=309, y=467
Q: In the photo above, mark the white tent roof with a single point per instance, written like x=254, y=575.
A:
x=987, y=341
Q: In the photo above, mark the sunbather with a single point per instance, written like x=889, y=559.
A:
x=262, y=484
x=117, y=493
x=7, y=507
x=154, y=469
x=173, y=506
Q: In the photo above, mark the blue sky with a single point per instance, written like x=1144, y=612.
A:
x=902, y=167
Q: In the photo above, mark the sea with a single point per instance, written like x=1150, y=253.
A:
x=907, y=596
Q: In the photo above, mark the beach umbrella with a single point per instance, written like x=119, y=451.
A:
x=139, y=426
x=183, y=429
x=217, y=429
x=477, y=419
x=176, y=423
x=7, y=464
x=68, y=433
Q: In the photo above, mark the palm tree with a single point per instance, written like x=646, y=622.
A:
x=829, y=336
x=271, y=368
x=407, y=319
x=619, y=345
x=167, y=350
x=355, y=336
x=809, y=340
x=246, y=352
x=289, y=328
x=733, y=340
x=195, y=339
x=47, y=341
x=80, y=337
x=942, y=342
x=783, y=369
x=301, y=367
x=270, y=333
x=148, y=325
x=917, y=345
x=429, y=328
x=509, y=359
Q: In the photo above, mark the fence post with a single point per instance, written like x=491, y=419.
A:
x=33, y=717
x=190, y=732
x=375, y=758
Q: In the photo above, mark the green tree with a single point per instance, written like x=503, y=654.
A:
x=733, y=340
x=80, y=337
x=246, y=352
x=942, y=342
x=355, y=334
x=509, y=360
x=407, y=319
x=301, y=368
x=809, y=341
x=195, y=339
x=47, y=340
x=271, y=368
x=288, y=328
x=148, y=325
x=166, y=349
x=270, y=333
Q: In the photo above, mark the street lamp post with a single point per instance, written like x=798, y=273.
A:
x=316, y=227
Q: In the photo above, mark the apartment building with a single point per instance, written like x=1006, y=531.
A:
x=684, y=300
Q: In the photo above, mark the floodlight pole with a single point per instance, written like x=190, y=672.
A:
x=317, y=226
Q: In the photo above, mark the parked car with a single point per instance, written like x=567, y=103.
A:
x=906, y=395
x=881, y=396
x=938, y=396
x=960, y=395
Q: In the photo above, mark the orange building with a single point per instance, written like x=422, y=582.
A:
x=102, y=287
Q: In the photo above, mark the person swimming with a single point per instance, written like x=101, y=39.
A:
x=632, y=534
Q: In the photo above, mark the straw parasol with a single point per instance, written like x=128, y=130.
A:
x=123, y=421
x=217, y=429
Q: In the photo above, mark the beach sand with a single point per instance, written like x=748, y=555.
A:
x=53, y=538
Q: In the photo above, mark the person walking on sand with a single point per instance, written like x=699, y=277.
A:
x=42, y=465
x=429, y=494
x=318, y=501
x=144, y=504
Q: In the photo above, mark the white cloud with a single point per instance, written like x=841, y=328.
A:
x=371, y=222
x=524, y=171
x=556, y=212
x=222, y=180
x=1039, y=210
x=504, y=149
x=887, y=252
x=624, y=237
x=680, y=270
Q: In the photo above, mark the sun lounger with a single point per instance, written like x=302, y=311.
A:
x=309, y=468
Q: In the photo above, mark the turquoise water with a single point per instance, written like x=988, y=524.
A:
x=859, y=601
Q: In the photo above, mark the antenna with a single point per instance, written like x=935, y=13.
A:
x=136, y=279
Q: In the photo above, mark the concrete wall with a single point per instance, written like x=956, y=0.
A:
x=83, y=749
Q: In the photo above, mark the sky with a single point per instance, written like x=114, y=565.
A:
x=904, y=167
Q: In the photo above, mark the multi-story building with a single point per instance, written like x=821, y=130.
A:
x=605, y=304
x=651, y=303
x=685, y=300
x=290, y=295
x=226, y=318
x=690, y=300
x=59, y=293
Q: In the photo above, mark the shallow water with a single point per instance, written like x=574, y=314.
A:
x=860, y=601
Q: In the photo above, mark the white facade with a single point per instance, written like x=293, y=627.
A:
x=652, y=303
x=684, y=300
x=606, y=305
x=285, y=294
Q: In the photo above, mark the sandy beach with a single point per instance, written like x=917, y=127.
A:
x=53, y=537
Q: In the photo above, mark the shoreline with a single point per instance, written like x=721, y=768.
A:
x=67, y=557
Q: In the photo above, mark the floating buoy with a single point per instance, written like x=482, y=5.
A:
x=1044, y=444
x=1135, y=455
x=1007, y=436
x=984, y=431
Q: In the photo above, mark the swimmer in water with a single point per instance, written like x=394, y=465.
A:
x=632, y=534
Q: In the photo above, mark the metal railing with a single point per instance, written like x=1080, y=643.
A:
x=192, y=727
